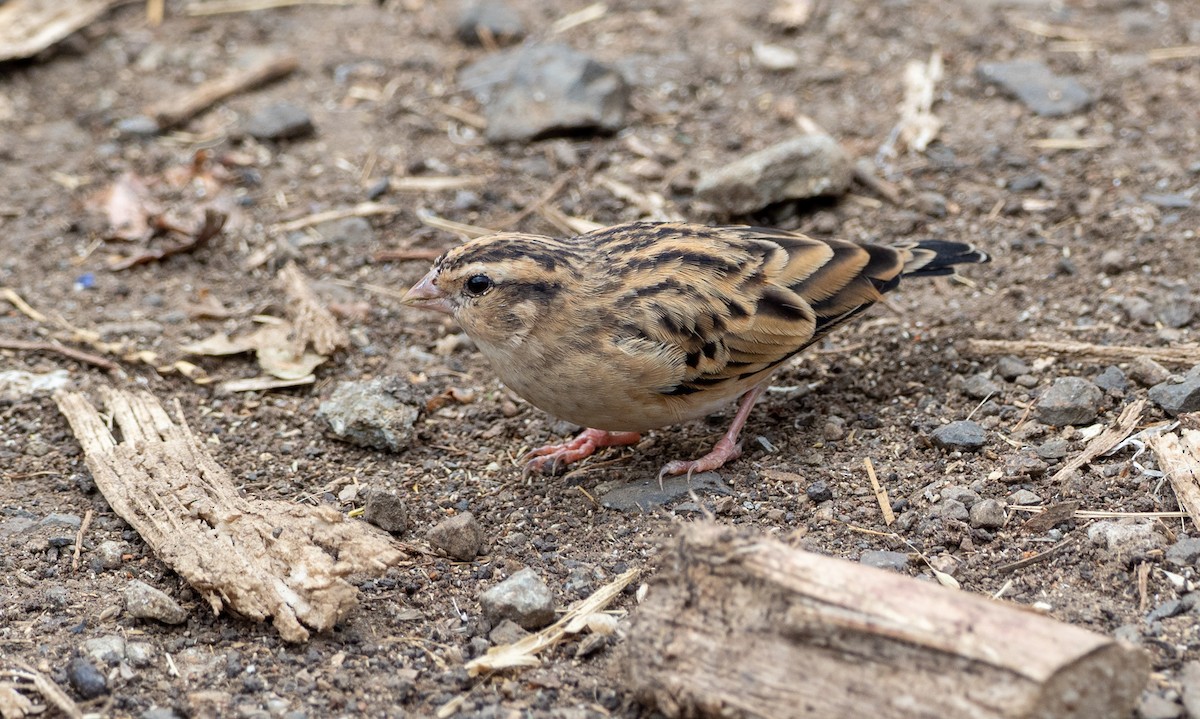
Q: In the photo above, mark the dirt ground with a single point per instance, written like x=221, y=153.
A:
x=1084, y=248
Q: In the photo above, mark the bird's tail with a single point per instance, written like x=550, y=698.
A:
x=930, y=258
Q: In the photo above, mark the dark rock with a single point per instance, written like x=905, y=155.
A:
x=980, y=386
x=1177, y=398
x=1112, y=379
x=1184, y=553
x=507, y=632
x=1025, y=183
x=460, y=536
x=378, y=413
x=145, y=602
x=1021, y=466
x=963, y=435
x=988, y=514
x=950, y=509
x=881, y=559
x=1070, y=400
x=1024, y=497
x=1053, y=449
x=965, y=495
x=278, y=121
x=641, y=496
x=544, y=90
x=524, y=598
x=1166, y=610
x=86, y=679
x=802, y=167
x=1037, y=87
x=1010, y=367
x=490, y=17
x=1147, y=372
x=819, y=491
x=385, y=510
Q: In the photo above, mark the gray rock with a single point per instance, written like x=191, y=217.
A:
x=950, y=509
x=1010, y=367
x=802, y=167
x=145, y=602
x=1177, y=398
x=460, y=536
x=1023, y=465
x=492, y=17
x=1024, y=497
x=1166, y=610
x=967, y=496
x=1153, y=705
x=1185, y=552
x=1070, y=400
x=544, y=90
x=524, y=598
x=1176, y=312
x=56, y=520
x=1147, y=372
x=108, y=649
x=641, y=496
x=1114, y=262
x=988, y=514
x=819, y=491
x=980, y=386
x=385, y=510
x=278, y=121
x=1037, y=87
x=1112, y=379
x=963, y=435
x=139, y=654
x=138, y=126
x=1126, y=536
x=1138, y=309
x=87, y=681
x=507, y=632
x=109, y=554
x=882, y=559
x=1053, y=449
x=160, y=713
x=378, y=413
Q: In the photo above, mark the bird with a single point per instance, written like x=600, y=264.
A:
x=643, y=325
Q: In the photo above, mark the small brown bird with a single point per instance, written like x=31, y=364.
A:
x=646, y=324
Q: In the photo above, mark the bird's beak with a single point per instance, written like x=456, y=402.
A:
x=426, y=295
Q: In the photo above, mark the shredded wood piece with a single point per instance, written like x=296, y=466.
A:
x=1085, y=351
x=1179, y=458
x=314, y=323
x=1107, y=439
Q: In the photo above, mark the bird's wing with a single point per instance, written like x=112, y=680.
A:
x=730, y=304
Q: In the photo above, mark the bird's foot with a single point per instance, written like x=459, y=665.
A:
x=554, y=457
x=725, y=450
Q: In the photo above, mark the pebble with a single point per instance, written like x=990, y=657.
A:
x=640, y=496
x=1036, y=86
x=775, y=57
x=1112, y=379
x=962, y=434
x=493, y=17
x=1010, y=367
x=139, y=654
x=378, y=413
x=1153, y=705
x=1166, y=610
x=1185, y=552
x=988, y=514
x=56, y=520
x=138, y=126
x=980, y=386
x=1168, y=201
x=146, y=602
x=950, y=509
x=385, y=510
x=930, y=203
x=544, y=90
x=109, y=649
x=109, y=554
x=883, y=559
x=507, y=632
x=1053, y=449
x=1070, y=400
x=278, y=121
x=86, y=679
x=160, y=713
x=1181, y=397
x=524, y=598
x=460, y=536
x=802, y=167
x=819, y=491
x=1020, y=466
x=967, y=496
x=1148, y=372
x=1114, y=262
x=1024, y=497
x=1125, y=537
x=17, y=385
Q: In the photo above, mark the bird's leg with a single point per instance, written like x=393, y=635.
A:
x=727, y=448
x=556, y=456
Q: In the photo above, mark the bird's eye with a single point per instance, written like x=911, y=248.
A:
x=479, y=284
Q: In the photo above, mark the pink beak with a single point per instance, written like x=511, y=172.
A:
x=426, y=295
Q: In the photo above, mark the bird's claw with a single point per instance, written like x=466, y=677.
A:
x=558, y=456
x=724, y=451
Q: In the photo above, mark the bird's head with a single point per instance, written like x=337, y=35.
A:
x=500, y=287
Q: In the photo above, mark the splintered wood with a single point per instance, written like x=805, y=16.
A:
x=1084, y=351
x=1178, y=457
x=258, y=558
x=741, y=626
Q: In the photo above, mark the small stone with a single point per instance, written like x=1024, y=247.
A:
x=460, y=536
x=160, y=713
x=145, y=602
x=1125, y=537
x=1175, y=313
x=1021, y=466
x=834, y=429
x=1166, y=610
x=1185, y=552
x=988, y=514
x=138, y=126
x=819, y=491
x=507, y=632
x=1168, y=201
x=1070, y=400
x=642, y=495
x=1155, y=706
x=109, y=553
x=86, y=679
x=57, y=520
x=775, y=57
x=544, y=90
x=1010, y=367
x=1027, y=381
x=1178, y=398
x=799, y=168
x=278, y=121
x=479, y=18
x=1024, y=497
x=1053, y=449
x=378, y=413
x=1147, y=372
x=930, y=203
x=1114, y=262
x=1037, y=86
x=980, y=386
x=965, y=495
x=108, y=649
x=950, y=509
x=1112, y=379
x=963, y=435
x=523, y=598
x=1026, y=182
x=385, y=510
x=1189, y=678
x=882, y=559
x=139, y=654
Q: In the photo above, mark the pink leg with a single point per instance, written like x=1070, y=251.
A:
x=727, y=448
x=585, y=445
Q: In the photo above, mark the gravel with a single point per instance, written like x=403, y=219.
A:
x=1070, y=400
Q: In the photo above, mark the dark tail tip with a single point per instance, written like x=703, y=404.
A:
x=940, y=257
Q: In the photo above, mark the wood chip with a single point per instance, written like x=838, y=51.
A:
x=1054, y=514
x=1084, y=351
x=881, y=495
x=29, y=26
x=1178, y=457
x=173, y=111
x=1109, y=438
x=362, y=209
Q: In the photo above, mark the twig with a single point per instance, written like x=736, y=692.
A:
x=83, y=528
x=1107, y=439
x=1071, y=143
x=554, y=189
x=459, y=228
x=362, y=209
x=221, y=7
x=209, y=228
x=23, y=306
x=881, y=495
x=1182, y=52
x=406, y=255
x=595, y=11
x=1086, y=351
x=434, y=184
x=175, y=110
x=1006, y=568
x=75, y=354
x=45, y=686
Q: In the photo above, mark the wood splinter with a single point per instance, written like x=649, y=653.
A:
x=740, y=626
